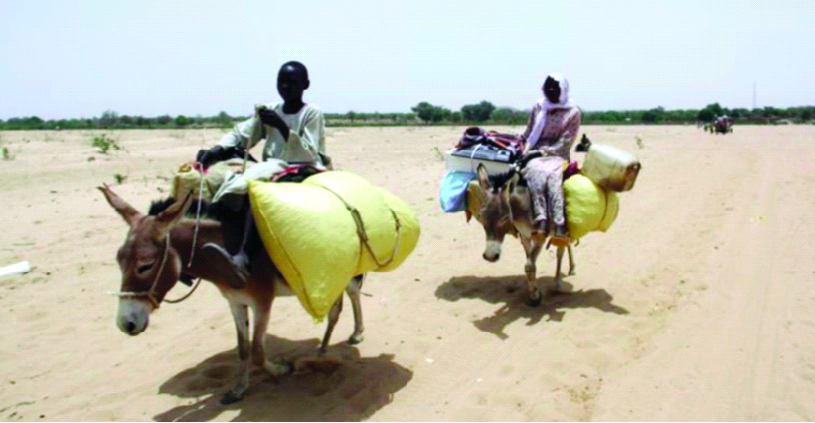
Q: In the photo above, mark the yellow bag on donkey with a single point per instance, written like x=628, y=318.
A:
x=314, y=233
x=589, y=207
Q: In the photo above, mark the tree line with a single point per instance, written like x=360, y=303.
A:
x=428, y=114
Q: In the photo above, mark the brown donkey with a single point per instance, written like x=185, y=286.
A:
x=157, y=250
x=506, y=208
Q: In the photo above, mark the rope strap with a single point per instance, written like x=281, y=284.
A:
x=363, y=235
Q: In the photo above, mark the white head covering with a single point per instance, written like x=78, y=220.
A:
x=544, y=105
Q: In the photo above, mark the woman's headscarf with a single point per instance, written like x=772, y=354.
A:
x=544, y=105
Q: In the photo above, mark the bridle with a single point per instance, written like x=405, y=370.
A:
x=151, y=293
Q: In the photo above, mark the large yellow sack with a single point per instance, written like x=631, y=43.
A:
x=314, y=239
x=589, y=207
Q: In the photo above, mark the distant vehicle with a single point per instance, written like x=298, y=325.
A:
x=720, y=125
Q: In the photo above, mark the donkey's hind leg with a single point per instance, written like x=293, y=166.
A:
x=571, y=260
x=559, y=285
x=333, y=316
x=261, y=316
x=354, y=289
x=242, y=325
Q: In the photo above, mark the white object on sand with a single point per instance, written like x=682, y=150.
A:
x=21, y=267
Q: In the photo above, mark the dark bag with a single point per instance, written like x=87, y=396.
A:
x=218, y=154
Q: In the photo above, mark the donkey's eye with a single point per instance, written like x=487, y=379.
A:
x=144, y=269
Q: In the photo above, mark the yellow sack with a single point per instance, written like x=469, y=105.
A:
x=188, y=179
x=314, y=240
x=589, y=207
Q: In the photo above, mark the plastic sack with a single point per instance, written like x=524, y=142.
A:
x=313, y=232
x=453, y=190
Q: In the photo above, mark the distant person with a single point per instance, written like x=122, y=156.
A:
x=551, y=131
x=294, y=132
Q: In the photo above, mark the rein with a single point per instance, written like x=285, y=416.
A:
x=151, y=294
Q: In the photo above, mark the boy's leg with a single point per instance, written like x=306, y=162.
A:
x=231, y=257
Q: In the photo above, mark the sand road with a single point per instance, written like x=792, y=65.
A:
x=697, y=304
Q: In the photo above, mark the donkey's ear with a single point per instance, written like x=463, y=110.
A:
x=483, y=177
x=176, y=211
x=128, y=213
x=513, y=182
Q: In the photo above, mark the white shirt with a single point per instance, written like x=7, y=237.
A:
x=306, y=135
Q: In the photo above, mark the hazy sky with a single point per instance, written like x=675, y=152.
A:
x=79, y=58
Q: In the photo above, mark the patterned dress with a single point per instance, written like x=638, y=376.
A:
x=544, y=175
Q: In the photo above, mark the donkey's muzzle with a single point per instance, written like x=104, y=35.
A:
x=491, y=259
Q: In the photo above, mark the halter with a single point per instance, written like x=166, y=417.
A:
x=151, y=294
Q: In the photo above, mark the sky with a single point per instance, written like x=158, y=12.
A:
x=78, y=59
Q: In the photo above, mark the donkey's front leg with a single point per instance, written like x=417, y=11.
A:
x=242, y=327
x=354, y=289
x=559, y=286
x=571, y=260
x=532, y=249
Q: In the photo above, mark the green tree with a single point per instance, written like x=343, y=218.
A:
x=109, y=119
x=164, y=120
x=430, y=113
x=224, y=119
x=182, y=121
x=480, y=112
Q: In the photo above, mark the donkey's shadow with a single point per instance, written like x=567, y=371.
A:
x=511, y=291
x=354, y=391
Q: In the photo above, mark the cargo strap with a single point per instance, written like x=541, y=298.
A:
x=363, y=236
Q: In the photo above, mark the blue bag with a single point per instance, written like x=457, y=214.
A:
x=453, y=190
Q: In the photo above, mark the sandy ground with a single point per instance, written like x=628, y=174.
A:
x=697, y=304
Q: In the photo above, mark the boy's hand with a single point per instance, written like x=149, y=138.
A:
x=271, y=118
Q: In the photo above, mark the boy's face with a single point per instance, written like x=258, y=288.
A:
x=291, y=83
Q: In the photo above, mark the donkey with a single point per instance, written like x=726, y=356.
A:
x=506, y=208
x=158, y=248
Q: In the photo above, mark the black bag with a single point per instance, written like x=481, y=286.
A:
x=218, y=154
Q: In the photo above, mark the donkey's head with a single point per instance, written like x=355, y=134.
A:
x=495, y=213
x=150, y=266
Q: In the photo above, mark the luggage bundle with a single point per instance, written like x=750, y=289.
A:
x=329, y=228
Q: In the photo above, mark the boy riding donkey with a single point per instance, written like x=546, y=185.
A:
x=295, y=133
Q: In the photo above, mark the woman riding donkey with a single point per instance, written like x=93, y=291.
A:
x=294, y=132
x=550, y=133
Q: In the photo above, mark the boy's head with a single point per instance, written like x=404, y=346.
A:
x=292, y=80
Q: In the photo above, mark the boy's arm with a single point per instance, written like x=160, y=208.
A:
x=244, y=134
x=307, y=144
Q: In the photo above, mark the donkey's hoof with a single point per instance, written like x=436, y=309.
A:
x=534, y=300
x=355, y=339
x=231, y=398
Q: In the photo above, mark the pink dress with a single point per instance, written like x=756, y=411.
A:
x=544, y=175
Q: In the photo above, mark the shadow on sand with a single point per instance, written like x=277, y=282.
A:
x=354, y=391
x=511, y=290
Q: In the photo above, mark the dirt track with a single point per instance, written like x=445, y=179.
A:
x=695, y=305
